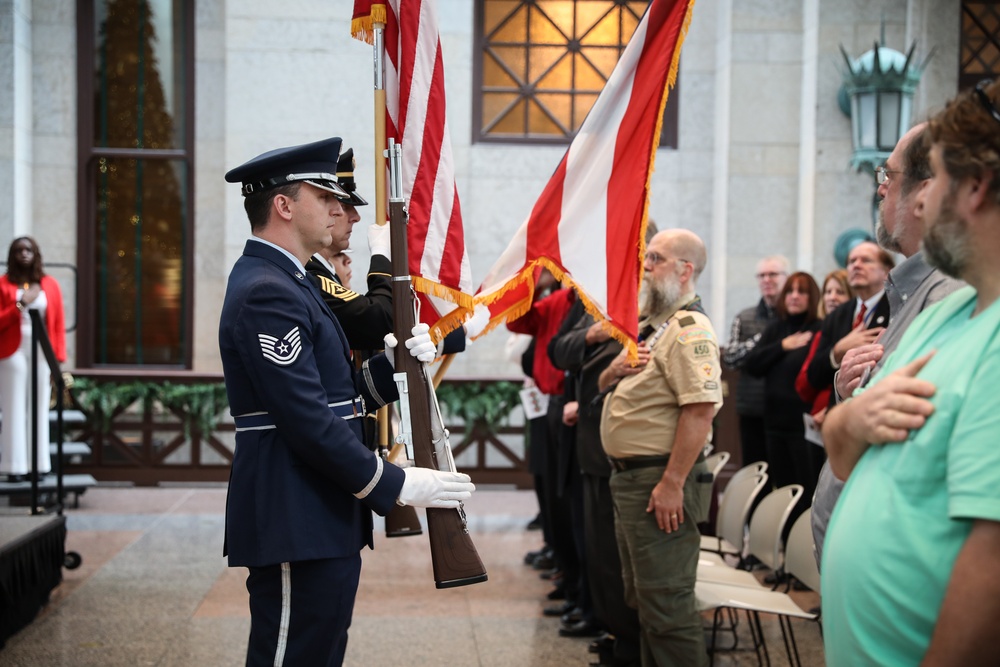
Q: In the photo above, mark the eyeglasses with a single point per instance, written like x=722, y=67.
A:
x=882, y=174
x=655, y=258
x=770, y=275
x=984, y=99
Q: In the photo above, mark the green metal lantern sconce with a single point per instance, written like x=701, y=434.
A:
x=877, y=95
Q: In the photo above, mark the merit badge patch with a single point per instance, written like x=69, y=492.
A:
x=694, y=335
x=281, y=351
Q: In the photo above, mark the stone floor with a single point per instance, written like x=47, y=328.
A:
x=153, y=589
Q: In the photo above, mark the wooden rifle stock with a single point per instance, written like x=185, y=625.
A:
x=453, y=555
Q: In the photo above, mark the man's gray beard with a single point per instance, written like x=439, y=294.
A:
x=946, y=241
x=660, y=295
x=882, y=235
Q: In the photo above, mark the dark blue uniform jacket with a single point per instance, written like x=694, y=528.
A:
x=291, y=488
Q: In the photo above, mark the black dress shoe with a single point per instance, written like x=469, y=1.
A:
x=580, y=629
x=574, y=615
x=557, y=593
x=544, y=562
x=605, y=642
x=560, y=609
x=529, y=558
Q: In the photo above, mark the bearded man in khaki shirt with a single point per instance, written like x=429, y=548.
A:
x=654, y=427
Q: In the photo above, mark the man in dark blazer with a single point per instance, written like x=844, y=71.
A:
x=584, y=349
x=302, y=484
x=855, y=322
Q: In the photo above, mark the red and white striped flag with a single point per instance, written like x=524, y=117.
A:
x=415, y=118
x=588, y=226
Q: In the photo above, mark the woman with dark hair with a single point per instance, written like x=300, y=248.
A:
x=777, y=358
x=26, y=288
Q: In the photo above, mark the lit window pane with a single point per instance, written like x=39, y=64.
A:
x=559, y=107
x=512, y=30
x=586, y=77
x=549, y=27
x=554, y=57
x=545, y=59
x=497, y=11
x=138, y=75
x=512, y=122
x=540, y=121
x=604, y=32
x=140, y=255
x=591, y=14
x=602, y=59
x=496, y=106
x=137, y=216
x=558, y=12
x=497, y=66
x=559, y=78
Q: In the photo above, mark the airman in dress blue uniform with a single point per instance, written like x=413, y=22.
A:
x=303, y=484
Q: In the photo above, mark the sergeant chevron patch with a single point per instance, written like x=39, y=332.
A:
x=281, y=351
x=335, y=289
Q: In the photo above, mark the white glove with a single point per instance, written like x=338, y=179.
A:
x=378, y=240
x=420, y=345
x=475, y=324
x=423, y=487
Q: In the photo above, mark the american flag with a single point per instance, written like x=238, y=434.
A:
x=416, y=119
x=588, y=226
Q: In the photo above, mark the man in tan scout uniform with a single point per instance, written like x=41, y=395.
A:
x=654, y=427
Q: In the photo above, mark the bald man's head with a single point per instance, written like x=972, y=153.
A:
x=686, y=245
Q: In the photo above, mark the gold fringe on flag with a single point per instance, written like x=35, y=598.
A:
x=362, y=27
x=450, y=321
x=520, y=308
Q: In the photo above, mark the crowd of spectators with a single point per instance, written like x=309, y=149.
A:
x=910, y=441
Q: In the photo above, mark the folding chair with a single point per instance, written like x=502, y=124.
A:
x=765, y=543
x=753, y=601
x=800, y=561
x=716, y=462
x=734, y=510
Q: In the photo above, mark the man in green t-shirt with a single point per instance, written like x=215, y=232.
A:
x=910, y=569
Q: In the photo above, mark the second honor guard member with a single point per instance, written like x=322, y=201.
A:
x=365, y=318
x=303, y=484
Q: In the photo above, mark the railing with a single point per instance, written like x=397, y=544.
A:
x=40, y=341
x=140, y=433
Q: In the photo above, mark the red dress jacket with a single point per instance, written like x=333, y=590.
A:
x=10, y=317
x=543, y=322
